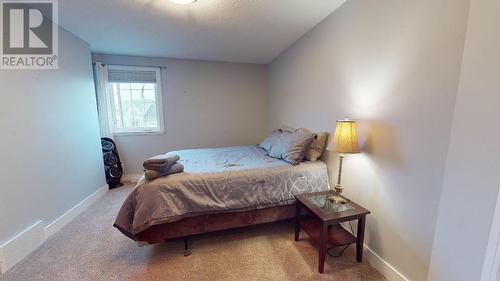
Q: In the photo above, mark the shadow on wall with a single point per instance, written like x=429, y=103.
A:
x=380, y=143
x=377, y=141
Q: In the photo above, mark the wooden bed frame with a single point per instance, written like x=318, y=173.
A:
x=188, y=227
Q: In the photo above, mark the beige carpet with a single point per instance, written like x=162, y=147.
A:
x=89, y=248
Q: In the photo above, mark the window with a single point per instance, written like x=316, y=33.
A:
x=135, y=103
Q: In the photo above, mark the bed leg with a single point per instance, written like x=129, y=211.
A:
x=187, y=247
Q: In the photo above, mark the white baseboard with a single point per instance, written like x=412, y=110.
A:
x=382, y=266
x=385, y=268
x=21, y=245
x=132, y=177
x=63, y=220
x=491, y=264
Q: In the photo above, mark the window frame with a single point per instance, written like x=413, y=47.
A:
x=159, y=104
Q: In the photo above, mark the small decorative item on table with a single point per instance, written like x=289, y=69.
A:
x=323, y=222
x=337, y=196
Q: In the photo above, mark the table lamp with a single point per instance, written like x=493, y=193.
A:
x=344, y=141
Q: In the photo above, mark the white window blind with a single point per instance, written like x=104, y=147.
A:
x=131, y=75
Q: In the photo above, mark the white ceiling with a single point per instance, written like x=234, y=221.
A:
x=250, y=31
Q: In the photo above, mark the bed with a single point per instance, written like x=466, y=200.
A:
x=220, y=188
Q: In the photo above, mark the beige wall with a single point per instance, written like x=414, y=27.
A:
x=50, y=147
x=472, y=177
x=394, y=66
x=206, y=104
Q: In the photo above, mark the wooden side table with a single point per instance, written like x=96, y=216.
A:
x=323, y=223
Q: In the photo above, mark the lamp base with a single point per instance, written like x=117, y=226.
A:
x=337, y=198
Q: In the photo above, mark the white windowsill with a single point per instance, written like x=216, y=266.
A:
x=145, y=133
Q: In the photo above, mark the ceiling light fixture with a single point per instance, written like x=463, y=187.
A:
x=183, y=2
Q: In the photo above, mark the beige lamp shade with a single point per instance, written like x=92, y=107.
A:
x=345, y=139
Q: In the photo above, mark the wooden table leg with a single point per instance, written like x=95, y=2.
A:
x=322, y=248
x=360, y=236
x=297, y=220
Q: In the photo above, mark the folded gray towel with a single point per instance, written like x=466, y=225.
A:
x=160, y=162
x=152, y=174
x=158, y=167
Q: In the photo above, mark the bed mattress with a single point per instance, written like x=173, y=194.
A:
x=217, y=180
